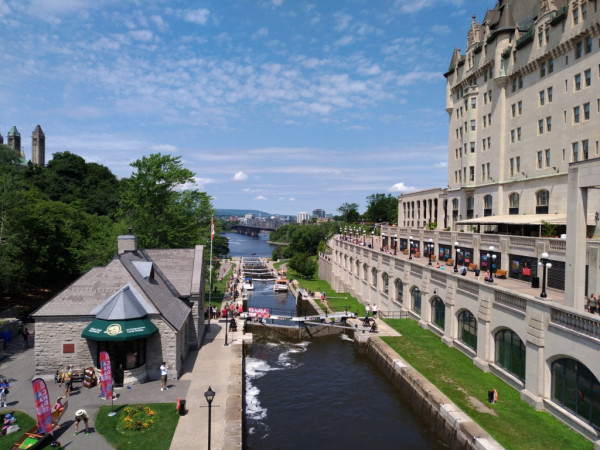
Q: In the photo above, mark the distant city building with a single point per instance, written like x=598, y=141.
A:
x=301, y=217
x=318, y=213
x=249, y=216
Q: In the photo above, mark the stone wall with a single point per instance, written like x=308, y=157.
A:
x=292, y=332
x=52, y=335
x=163, y=346
x=454, y=427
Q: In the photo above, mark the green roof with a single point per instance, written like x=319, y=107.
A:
x=14, y=132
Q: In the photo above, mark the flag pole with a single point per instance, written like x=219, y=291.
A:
x=212, y=237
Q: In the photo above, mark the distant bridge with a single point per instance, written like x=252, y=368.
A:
x=252, y=227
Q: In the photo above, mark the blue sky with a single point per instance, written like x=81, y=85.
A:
x=277, y=105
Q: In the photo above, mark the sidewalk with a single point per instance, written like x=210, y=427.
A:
x=219, y=367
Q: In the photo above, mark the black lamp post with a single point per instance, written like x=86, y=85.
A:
x=364, y=238
x=226, y=323
x=544, y=262
x=457, y=251
x=372, y=239
x=410, y=246
x=492, y=262
x=430, y=248
x=209, y=396
x=395, y=245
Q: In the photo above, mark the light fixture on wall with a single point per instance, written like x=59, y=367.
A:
x=435, y=292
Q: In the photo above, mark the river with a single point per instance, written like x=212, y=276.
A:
x=321, y=393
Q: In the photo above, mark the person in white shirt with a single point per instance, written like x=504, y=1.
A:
x=164, y=372
x=374, y=310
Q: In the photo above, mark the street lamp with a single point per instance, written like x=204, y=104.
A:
x=226, y=323
x=395, y=245
x=546, y=265
x=410, y=247
x=457, y=251
x=492, y=262
x=372, y=238
x=364, y=238
x=209, y=396
x=430, y=247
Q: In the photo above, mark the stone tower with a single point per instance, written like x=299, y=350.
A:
x=38, y=147
x=14, y=140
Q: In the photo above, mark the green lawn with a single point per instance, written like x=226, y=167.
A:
x=515, y=425
x=157, y=437
x=218, y=288
x=337, y=301
x=25, y=423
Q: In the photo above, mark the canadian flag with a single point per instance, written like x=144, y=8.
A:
x=212, y=229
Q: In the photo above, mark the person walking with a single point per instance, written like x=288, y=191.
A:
x=25, y=338
x=164, y=373
x=4, y=385
x=80, y=415
x=374, y=310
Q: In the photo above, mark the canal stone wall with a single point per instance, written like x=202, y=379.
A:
x=291, y=332
x=455, y=428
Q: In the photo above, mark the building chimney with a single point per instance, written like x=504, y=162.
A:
x=126, y=243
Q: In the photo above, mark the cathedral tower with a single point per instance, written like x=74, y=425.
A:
x=38, y=147
x=14, y=140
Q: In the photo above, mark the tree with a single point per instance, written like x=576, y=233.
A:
x=382, y=208
x=305, y=240
x=161, y=213
x=349, y=212
x=303, y=264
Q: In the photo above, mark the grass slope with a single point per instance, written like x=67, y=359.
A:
x=515, y=425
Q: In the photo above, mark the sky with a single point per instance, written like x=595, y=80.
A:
x=277, y=105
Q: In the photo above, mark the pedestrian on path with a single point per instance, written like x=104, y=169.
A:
x=67, y=377
x=368, y=309
x=164, y=373
x=25, y=338
x=80, y=415
x=4, y=385
x=374, y=310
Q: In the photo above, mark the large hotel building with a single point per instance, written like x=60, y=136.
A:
x=522, y=201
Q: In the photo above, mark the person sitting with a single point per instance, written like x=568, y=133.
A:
x=8, y=421
x=477, y=271
x=374, y=327
x=488, y=276
x=463, y=270
x=58, y=404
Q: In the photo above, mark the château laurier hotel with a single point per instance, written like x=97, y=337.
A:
x=522, y=200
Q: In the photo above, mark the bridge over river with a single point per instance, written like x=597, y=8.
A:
x=252, y=227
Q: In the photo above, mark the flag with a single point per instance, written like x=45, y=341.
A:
x=42, y=406
x=212, y=228
x=105, y=375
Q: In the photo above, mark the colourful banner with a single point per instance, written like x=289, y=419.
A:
x=105, y=375
x=262, y=313
x=42, y=406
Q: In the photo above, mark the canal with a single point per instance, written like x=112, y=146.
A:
x=320, y=393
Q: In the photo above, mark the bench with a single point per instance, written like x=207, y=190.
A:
x=77, y=376
x=500, y=273
x=449, y=262
x=472, y=267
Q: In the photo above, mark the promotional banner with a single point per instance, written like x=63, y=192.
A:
x=42, y=406
x=105, y=376
x=262, y=313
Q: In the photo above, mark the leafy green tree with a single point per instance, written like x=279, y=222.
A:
x=304, y=264
x=349, y=212
x=305, y=240
x=161, y=213
x=382, y=208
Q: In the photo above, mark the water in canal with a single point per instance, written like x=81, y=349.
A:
x=321, y=393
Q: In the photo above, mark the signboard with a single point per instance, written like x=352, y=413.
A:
x=105, y=375
x=261, y=313
x=42, y=406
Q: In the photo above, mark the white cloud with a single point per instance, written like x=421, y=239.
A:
x=342, y=21
x=260, y=197
x=440, y=29
x=240, y=176
x=277, y=2
x=198, y=16
x=166, y=148
x=142, y=35
x=159, y=22
x=261, y=32
x=346, y=40
x=400, y=187
x=291, y=199
x=441, y=165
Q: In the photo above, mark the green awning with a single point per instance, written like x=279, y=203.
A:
x=119, y=330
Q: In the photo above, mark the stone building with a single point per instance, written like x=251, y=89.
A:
x=522, y=100
x=38, y=145
x=143, y=307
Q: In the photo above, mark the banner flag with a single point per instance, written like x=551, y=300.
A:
x=105, y=376
x=42, y=406
x=212, y=228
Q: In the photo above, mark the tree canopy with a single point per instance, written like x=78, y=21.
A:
x=382, y=208
x=349, y=212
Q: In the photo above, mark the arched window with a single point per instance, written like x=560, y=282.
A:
x=385, y=281
x=513, y=203
x=399, y=286
x=416, y=300
x=576, y=388
x=374, y=276
x=345, y=261
x=470, y=207
x=510, y=353
x=351, y=265
x=438, y=312
x=365, y=272
x=467, y=329
x=542, y=201
x=487, y=205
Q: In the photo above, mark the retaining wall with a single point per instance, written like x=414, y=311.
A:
x=454, y=427
x=288, y=332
